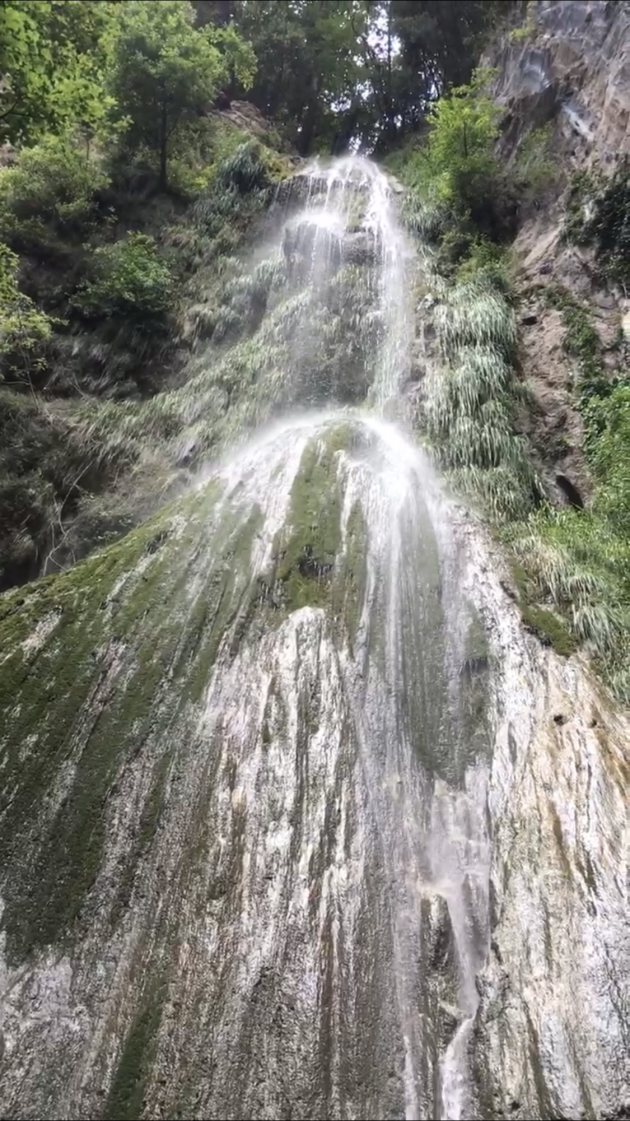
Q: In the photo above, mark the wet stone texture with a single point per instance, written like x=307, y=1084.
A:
x=551, y=1038
x=296, y=821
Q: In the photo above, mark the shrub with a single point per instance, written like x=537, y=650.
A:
x=460, y=192
x=609, y=225
x=244, y=170
x=130, y=278
x=577, y=563
x=597, y=213
x=23, y=327
x=536, y=169
x=463, y=129
x=47, y=462
x=53, y=184
x=607, y=425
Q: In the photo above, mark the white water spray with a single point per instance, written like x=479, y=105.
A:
x=316, y=893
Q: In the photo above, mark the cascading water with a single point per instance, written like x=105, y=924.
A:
x=248, y=863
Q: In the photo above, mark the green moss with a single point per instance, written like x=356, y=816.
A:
x=115, y=669
x=225, y=601
x=70, y=698
x=352, y=578
x=125, y=1099
x=477, y=649
x=307, y=550
x=147, y=828
x=549, y=627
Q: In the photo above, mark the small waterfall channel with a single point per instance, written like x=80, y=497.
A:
x=248, y=863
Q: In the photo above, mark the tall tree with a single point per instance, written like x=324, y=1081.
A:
x=166, y=70
x=219, y=12
x=53, y=58
x=309, y=61
x=355, y=69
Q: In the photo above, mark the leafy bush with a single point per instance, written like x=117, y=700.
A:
x=23, y=327
x=244, y=170
x=607, y=424
x=53, y=184
x=609, y=225
x=463, y=129
x=130, y=279
x=576, y=563
x=536, y=168
x=597, y=213
x=461, y=196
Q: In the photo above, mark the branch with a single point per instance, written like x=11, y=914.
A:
x=8, y=112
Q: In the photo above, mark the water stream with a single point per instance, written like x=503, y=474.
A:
x=247, y=845
x=392, y=858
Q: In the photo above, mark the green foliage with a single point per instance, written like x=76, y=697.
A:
x=309, y=62
x=455, y=165
x=54, y=185
x=469, y=407
x=47, y=461
x=53, y=57
x=463, y=129
x=578, y=561
x=579, y=566
x=607, y=423
x=597, y=213
x=23, y=327
x=484, y=259
x=333, y=71
x=244, y=170
x=609, y=225
x=526, y=29
x=463, y=199
x=537, y=170
x=573, y=565
x=165, y=71
x=130, y=279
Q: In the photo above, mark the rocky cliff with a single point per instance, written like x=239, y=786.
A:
x=563, y=77
x=559, y=880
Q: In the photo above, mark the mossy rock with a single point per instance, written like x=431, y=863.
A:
x=549, y=628
x=96, y=662
x=306, y=550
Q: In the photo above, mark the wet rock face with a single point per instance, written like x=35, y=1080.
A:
x=551, y=1037
x=576, y=65
x=295, y=818
x=246, y=865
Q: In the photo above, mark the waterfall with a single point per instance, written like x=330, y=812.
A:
x=247, y=843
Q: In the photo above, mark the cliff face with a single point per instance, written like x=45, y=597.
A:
x=297, y=817
x=565, y=72
x=548, y=1041
x=571, y=66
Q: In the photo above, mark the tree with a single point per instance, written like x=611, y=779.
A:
x=310, y=66
x=23, y=327
x=463, y=128
x=53, y=58
x=166, y=70
x=219, y=12
x=354, y=70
